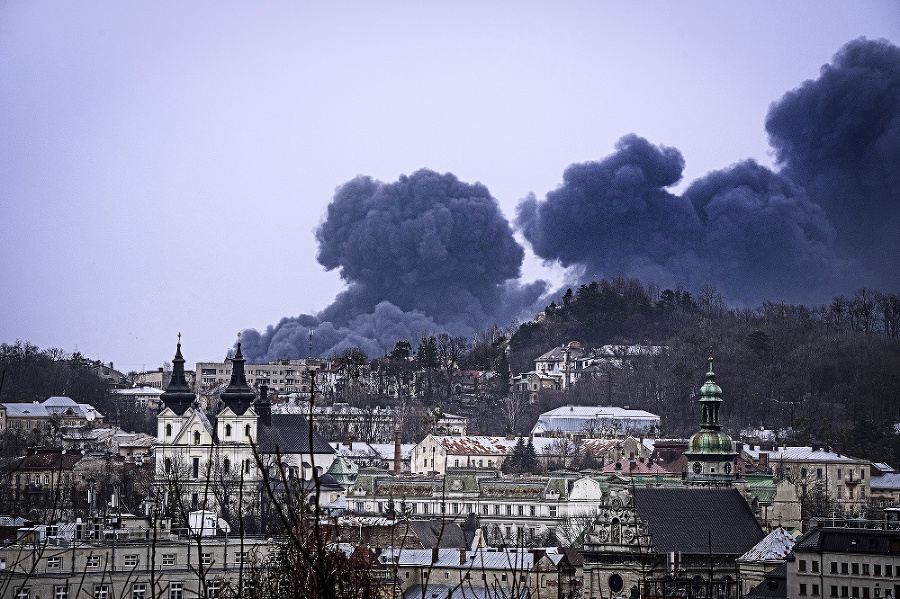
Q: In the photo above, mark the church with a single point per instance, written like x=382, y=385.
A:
x=223, y=465
x=666, y=540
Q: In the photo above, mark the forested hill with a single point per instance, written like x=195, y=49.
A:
x=831, y=373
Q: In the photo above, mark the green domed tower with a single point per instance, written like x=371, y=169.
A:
x=710, y=452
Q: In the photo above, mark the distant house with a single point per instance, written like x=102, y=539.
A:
x=56, y=411
x=143, y=397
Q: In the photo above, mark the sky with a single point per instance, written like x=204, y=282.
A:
x=195, y=168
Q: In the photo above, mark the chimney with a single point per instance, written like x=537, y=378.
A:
x=398, y=465
x=763, y=463
x=263, y=407
x=462, y=557
x=434, y=554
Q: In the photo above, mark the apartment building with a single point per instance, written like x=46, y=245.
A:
x=281, y=376
x=845, y=562
x=138, y=569
x=818, y=472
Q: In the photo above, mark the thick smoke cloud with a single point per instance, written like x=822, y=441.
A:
x=614, y=217
x=755, y=233
x=425, y=253
x=431, y=253
x=839, y=136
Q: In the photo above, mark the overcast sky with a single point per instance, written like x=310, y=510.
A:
x=163, y=166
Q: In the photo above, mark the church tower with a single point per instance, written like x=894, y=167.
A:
x=711, y=454
x=177, y=400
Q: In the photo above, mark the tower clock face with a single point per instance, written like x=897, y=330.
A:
x=697, y=468
x=727, y=467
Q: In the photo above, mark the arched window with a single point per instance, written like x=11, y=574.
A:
x=168, y=465
x=247, y=467
x=226, y=465
x=196, y=437
x=247, y=430
x=168, y=430
x=227, y=430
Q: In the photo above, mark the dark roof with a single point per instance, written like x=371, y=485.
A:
x=847, y=540
x=432, y=532
x=773, y=586
x=50, y=459
x=575, y=558
x=289, y=433
x=688, y=519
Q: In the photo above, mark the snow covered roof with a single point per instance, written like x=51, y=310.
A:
x=774, y=546
x=49, y=407
x=803, y=454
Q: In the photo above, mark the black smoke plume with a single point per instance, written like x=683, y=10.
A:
x=839, y=137
x=801, y=234
x=430, y=252
x=426, y=253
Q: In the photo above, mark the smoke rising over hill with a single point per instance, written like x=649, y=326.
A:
x=429, y=252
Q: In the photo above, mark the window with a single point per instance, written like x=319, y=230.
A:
x=247, y=431
x=508, y=533
x=854, y=568
x=888, y=570
x=101, y=591
x=93, y=561
x=815, y=566
x=213, y=589
x=240, y=558
x=226, y=465
x=521, y=510
x=176, y=590
x=54, y=563
x=844, y=568
x=802, y=565
x=531, y=510
x=206, y=559
x=24, y=593
x=61, y=592
x=168, y=463
x=168, y=430
x=845, y=592
x=484, y=510
x=196, y=437
x=196, y=467
x=834, y=567
x=247, y=467
x=446, y=574
x=139, y=590
x=553, y=511
x=834, y=590
x=131, y=559
x=509, y=510
x=839, y=474
x=168, y=559
x=877, y=569
x=503, y=577
x=854, y=592
x=227, y=430
x=819, y=473
x=497, y=509
x=802, y=589
x=865, y=591
x=815, y=590
x=865, y=569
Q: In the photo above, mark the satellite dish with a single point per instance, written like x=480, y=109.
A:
x=224, y=525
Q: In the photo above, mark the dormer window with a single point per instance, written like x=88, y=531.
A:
x=196, y=437
x=168, y=430
x=227, y=430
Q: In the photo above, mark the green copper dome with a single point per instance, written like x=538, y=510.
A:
x=710, y=441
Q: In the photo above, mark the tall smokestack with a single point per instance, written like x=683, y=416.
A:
x=398, y=465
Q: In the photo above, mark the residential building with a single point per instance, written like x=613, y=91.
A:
x=280, y=376
x=765, y=556
x=845, y=562
x=885, y=490
x=53, y=413
x=163, y=567
x=142, y=397
x=824, y=478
